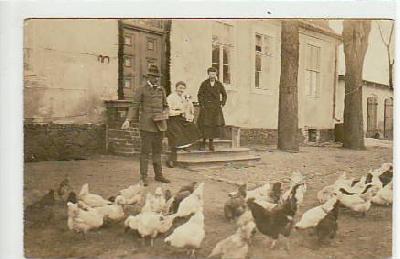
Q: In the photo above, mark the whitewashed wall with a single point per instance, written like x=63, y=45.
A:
x=64, y=80
x=247, y=106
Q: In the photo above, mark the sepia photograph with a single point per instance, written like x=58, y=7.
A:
x=226, y=138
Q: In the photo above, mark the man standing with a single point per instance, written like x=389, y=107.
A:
x=151, y=101
x=211, y=119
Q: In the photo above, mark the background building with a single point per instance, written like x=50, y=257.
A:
x=81, y=73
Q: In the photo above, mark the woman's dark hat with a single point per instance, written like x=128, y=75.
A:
x=153, y=71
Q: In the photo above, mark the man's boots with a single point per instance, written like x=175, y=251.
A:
x=158, y=174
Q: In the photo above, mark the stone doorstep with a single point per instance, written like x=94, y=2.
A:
x=232, y=152
x=216, y=162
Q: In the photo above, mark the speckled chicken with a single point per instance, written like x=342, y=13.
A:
x=236, y=204
x=277, y=220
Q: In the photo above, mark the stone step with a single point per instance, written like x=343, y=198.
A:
x=130, y=153
x=218, y=144
x=203, y=162
x=222, y=152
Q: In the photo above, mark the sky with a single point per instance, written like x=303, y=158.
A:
x=376, y=68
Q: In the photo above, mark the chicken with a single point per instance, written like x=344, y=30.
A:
x=42, y=211
x=235, y=246
x=384, y=195
x=193, y=203
x=155, y=203
x=189, y=235
x=174, y=202
x=328, y=226
x=166, y=223
x=72, y=197
x=297, y=178
x=260, y=192
x=147, y=224
x=356, y=202
x=131, y=195
x=351, y=185
x=114, y=212
x=92, y=200
x=312, y=217
x=158, y=201
x=80, y=220
x=236, y=205
x=387, y=173
x=189, y=188
x=64, y=189
x=167, y=195
x=277, y=220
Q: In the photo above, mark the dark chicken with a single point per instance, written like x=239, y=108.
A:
x=328, y=226
x=278, y=220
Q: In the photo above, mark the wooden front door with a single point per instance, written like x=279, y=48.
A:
x=137, y=50
x=372, y=108
x=388, y=119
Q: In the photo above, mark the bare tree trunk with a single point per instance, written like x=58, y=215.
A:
x=391, y=73
x=355, y=40
x=288, y=101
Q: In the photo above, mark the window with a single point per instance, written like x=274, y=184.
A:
x=222, y=47
x=313, y=70
x=128, y=61
x=128, y=82
x=128, y=39
x=263, y=61
x=151, y=44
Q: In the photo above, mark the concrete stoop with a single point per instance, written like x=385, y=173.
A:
x=122, y=143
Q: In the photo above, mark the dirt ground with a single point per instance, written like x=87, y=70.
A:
x=357, y=237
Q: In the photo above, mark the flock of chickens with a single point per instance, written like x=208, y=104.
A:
x=268, y=209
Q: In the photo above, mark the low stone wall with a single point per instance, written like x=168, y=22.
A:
x=258, y=136
x=270, y=136
x=62, y=141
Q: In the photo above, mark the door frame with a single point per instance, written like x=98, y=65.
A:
x=164, y=32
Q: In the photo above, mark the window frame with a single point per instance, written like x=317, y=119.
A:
x=270, y=57
x=309, y=70
x=231, y=49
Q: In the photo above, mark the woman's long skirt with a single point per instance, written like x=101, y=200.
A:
x=181, y=132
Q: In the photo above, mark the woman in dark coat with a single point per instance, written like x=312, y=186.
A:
x=212, y=97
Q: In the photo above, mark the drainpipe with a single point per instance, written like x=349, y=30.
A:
x=335, y=80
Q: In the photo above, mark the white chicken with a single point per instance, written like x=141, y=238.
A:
x=132, y=195
x=91, y=199
x=328, y=192
x=80, y=220
x=147, y=224
x=260, y=192
x=356, y=202
x=384, y=195
x=114, y=212
x=313, y=216
x=235, y=246
x=189, y=235
x=193, y=203
x=155, y=203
